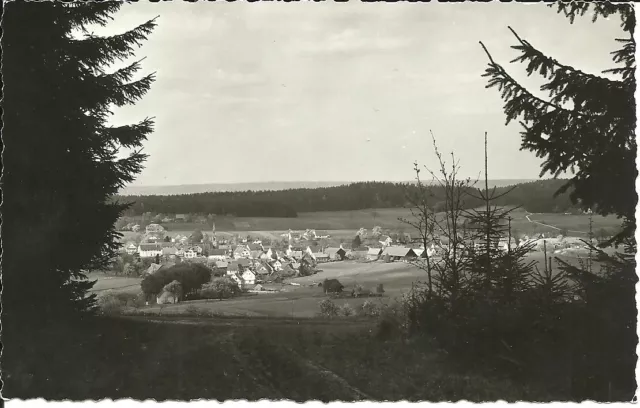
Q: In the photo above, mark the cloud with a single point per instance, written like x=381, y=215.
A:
x=232, y=79
x=350, y=41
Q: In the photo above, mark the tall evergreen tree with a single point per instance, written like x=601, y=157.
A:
x=587, y=123
x=62, y=160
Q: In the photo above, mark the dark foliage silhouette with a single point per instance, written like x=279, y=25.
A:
x=61, y=163
x=587, y=124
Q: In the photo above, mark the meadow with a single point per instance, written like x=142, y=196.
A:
x=343, y=224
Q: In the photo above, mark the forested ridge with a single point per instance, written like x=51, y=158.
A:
x=535, y=196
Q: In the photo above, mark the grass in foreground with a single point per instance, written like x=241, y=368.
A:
x=133, y=358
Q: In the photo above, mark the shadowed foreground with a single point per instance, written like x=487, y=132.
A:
x=187, y=358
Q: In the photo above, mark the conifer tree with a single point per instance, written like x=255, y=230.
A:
x=62, y=159
x=587, y=123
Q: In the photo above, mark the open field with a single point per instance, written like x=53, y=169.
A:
x=344, y=224
x=105, y=284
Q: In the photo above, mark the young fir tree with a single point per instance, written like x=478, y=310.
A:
x=62, y=160
x=501, y=273
x=587, y=123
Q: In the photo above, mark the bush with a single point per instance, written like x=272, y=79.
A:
x=370, y=309
x=110, y=304
x=328, y=308
x=346, y=310
x=220, y=288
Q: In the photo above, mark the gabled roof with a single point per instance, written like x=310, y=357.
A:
x=217, y=252
x=233, y=266
x=255, y=247
x=374, y=251
x=316, y=249
x=243, y=262
x=321, y=255
x=333, y=251
x=150, y=247
x=221, y=264
x=397, y=251
x=169, y=251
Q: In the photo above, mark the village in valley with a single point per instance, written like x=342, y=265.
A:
x=259, y=264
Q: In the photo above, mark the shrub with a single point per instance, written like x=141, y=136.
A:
x=220, y=288
x=110, y=304
x=370, y=309
x=328, y=308
x=346, y=310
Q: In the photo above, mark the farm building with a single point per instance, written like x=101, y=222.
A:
x=322, y=257
x=218, y=254
x=358, y=253
x=336, y=254
x=373, y=253
x=397, y=253
x=149, y=250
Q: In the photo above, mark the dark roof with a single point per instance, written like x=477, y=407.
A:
x=243, y=262
x=150, y=247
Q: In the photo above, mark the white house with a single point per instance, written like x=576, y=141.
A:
x=235, y=278
x=248, y=277
x=151, y=228
x=276, y=265
x=131, y=248
x=190, y=253
x=149, y=250
x=385, y=240
x=268, y=254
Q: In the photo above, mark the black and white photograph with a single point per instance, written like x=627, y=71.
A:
x=319, y=201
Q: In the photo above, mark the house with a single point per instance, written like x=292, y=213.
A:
x=276, y=265
x=296, y=254
x=248, y=278
x=181, y=217
x=153, y=268
x=241, y=251
x=262, y=269
x=398, y=253
x=149, y=250
x=221, y=264
x=244, y=263
x=235, y=278
x=233, y=267
x=256, y=254
x=322, y=257
x=373, y=254
x=267, y=254
x=154, y=228
x=336, y=254
x=190, y=253
x=169, y=251
x=218, y=254
x=131, y=248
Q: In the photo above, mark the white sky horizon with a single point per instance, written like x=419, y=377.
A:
x=304, y=92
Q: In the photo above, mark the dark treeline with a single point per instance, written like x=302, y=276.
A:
x=536, y=196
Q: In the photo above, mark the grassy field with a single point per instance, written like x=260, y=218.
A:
x=182, y=359
x=344, y=224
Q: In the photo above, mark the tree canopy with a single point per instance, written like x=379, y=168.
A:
x=586, y=125
x=62, y=161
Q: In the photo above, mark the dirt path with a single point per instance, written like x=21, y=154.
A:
x=334, y=378
x=550, y=226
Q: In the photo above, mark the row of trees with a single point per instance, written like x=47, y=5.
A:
x=535, y=196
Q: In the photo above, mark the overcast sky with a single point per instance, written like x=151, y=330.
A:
x=252, y=92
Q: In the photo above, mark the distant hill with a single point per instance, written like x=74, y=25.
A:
x=259, y=186
x=534, y=196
